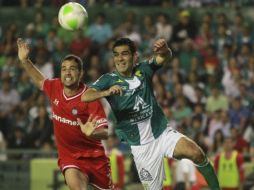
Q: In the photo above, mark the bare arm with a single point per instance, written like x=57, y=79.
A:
x=92, y=94
x=100, y=134
x=162, y=52
x=187, y=181
x=23, y=52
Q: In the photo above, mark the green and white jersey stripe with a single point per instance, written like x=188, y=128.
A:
x=139, y=118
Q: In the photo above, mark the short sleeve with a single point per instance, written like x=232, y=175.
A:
x=96, y=109
x=103, y=83
x=149, y=66
x=49, y=85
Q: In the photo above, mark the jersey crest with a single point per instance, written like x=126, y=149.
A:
x=74, y=111
x=145, y=175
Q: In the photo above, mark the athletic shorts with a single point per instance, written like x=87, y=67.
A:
x=149, y=158
x=97, y=170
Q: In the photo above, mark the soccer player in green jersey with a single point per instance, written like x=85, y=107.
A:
x=140, y=120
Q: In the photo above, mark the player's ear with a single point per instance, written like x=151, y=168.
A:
x=82, y=75
x=135, y=57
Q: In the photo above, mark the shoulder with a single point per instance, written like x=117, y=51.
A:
x=217, y=157
x=52, y=84
x=52, y=87
x=147, y=63
x=111, y=75
x=142, y=63
x=54, y=81
x=106, y=77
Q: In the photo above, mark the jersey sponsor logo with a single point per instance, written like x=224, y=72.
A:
x=141, y=111
x=74, y=111
x=140, y=104
x=64, y=120
x=138, y=73
x=145, y=175
x=120, y=81
x=227, y=167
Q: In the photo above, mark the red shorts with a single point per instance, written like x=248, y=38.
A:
x=96, y=169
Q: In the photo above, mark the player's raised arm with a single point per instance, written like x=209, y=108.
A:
x=33, y=72
x=92, y=94
x=162, y=52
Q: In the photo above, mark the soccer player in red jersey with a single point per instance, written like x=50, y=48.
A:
x=79, y=127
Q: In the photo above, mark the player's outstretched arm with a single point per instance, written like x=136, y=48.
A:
x=23, y=54
x=92, y=94
x=162, y=52
x=90, y=129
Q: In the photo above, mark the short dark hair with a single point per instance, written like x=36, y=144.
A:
x=125, y=41
x=101, y=14
x=76, y=59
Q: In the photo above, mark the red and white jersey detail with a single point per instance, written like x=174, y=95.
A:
x=65, y=111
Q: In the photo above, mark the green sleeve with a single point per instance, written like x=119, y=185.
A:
x=103, y=83
x=149, y=66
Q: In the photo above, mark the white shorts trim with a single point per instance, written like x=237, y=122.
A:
x=149, y=158
x=70, y=166
x=98, y=186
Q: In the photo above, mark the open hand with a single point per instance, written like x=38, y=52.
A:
x=23, y=49
x=89, y=127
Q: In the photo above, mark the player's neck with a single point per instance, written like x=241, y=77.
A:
x=126, y=74
x=71, y=91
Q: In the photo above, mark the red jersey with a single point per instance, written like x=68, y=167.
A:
x=71, y=142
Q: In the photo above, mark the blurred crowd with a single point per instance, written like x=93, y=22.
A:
x=206, y=90
x=121, y=3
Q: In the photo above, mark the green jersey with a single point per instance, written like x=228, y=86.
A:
x=139, y=118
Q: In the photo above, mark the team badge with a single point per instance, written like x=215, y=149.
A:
x=74, y=111
x=138, y=73
x=145, y=175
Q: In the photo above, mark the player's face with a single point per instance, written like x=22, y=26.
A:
x=123, y=59
x=70, y=74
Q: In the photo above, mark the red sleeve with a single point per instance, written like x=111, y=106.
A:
x=49, y=86
x=240, y=162
x=120, y=162
x=216, y=163
x=96, y=109
x=170, y=162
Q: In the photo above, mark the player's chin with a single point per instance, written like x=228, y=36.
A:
x=69, y=84
x=121, y=69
